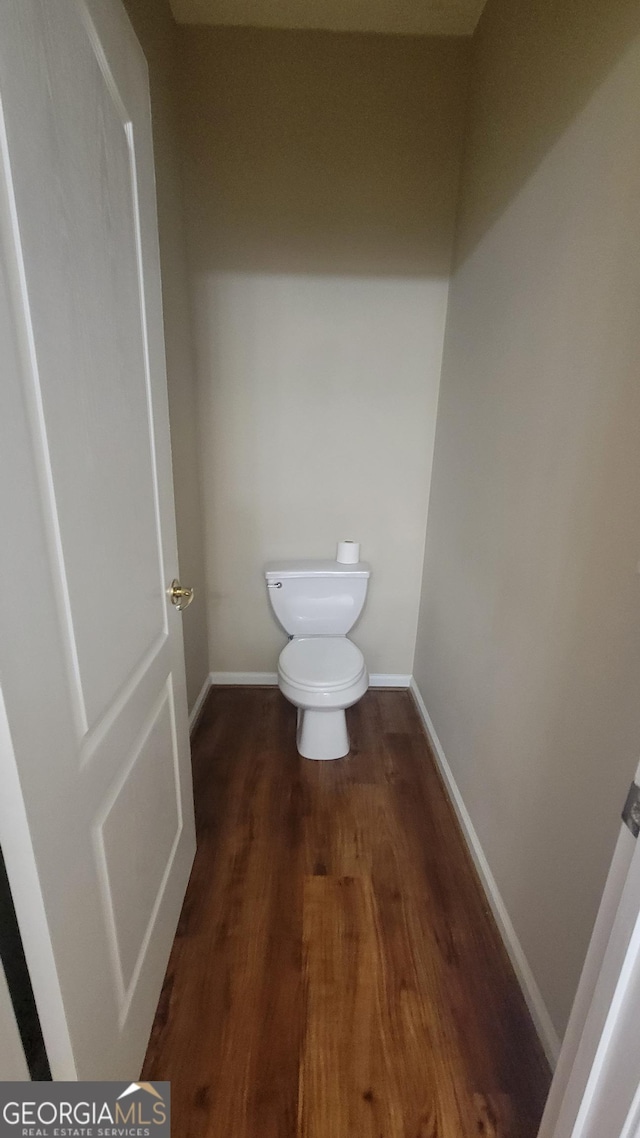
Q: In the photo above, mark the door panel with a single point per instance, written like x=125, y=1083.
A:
x=136, y=839
x=91, y=658
x=89, y=345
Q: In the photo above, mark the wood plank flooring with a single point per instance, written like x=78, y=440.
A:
x=336, y=972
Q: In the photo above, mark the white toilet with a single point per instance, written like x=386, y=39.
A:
x=320, y=671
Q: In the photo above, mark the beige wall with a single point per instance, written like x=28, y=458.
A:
x=157, y=32
x=321, y=176
x=528, y=651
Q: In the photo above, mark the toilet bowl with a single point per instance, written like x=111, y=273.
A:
x=320, y=671
x=322, y=676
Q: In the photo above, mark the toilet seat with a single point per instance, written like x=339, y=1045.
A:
x=321, y=663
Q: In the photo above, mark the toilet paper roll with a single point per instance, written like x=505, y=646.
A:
x=348, y=552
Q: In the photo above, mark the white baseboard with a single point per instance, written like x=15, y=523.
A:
x=194, y=714
x=270, y=679
x=533, y=996
x=389, y=680
x=245, y=679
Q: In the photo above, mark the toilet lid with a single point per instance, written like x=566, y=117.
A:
x=321, y=662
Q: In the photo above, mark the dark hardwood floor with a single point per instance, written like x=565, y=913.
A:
x=336, y=972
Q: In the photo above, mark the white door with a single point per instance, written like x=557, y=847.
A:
x=96, y=818
x=596, y=1088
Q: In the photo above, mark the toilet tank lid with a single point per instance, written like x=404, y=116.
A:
x=275, y=570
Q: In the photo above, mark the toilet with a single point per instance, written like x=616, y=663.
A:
x=320, y=671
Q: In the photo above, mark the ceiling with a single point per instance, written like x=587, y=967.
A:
x=404, y=17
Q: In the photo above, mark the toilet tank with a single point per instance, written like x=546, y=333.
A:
x=317, y=598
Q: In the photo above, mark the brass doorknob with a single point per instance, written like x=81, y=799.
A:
x=180, y=597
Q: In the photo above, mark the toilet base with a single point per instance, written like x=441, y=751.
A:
x=322, y=734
